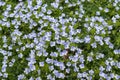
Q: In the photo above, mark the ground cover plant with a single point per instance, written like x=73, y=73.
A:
x=59, y=39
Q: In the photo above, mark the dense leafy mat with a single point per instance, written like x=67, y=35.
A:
x=59, y=39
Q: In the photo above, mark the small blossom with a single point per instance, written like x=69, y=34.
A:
x=81, y=66
x=41, y=64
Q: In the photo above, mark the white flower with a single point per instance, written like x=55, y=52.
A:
x=117, y=8
x=66, y=1
x=100, y=8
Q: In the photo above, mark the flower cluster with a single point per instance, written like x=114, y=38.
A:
x=60, y=39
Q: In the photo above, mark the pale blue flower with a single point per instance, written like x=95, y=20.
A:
x=38, y=78
x=55, y=5
x=102, y=74
x=39, y=53
x=118, y=64
x=49, y=61
x=26, y=71
x=79, y=75
x=117, y=77
x=49, y=12
x=91, y=72
x=116, y=51
x=81, y=59
x=21, y=76
x=68, y=64
x=87, y=39
x=89, y=58
x=31, y=78
x=75, y=59
x=64, y=52
x=54, y=54
x=101, y=68
x=32, y=67
x=61, y=75
x=41, y=64
x=94, y=45
x=5, y=75
x=45, y=54
x=68, y=70
x=108, y=68
x=81, y=66
x=76, y=69
x=49, y=76
x=52, y=43
x=1, y=74
x=51, y=68
x=106, y=10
